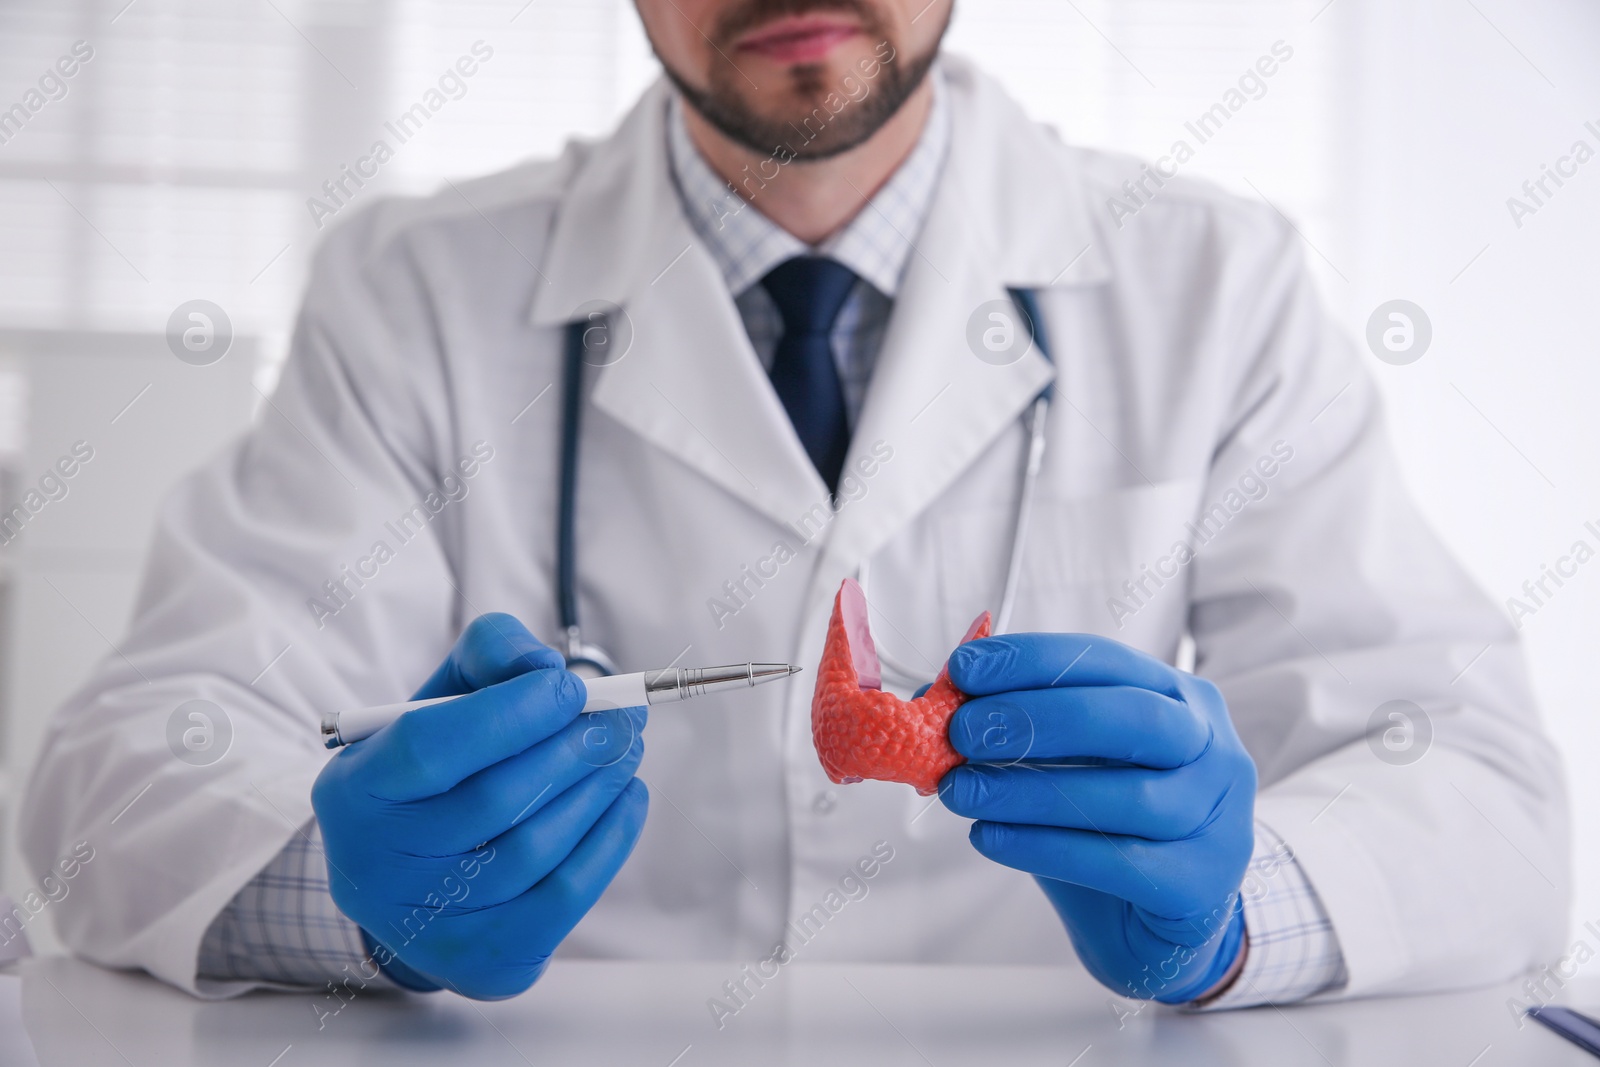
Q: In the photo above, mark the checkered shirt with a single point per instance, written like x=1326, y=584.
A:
x=284, y=929
x=1294, y=952
x=876, y=244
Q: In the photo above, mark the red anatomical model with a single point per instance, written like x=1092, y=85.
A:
x=862, y=732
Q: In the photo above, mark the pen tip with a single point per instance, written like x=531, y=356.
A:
x=795, y=670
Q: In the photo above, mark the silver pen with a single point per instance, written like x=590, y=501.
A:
x=665, y=686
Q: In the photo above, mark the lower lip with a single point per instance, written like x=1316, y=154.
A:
x=805, y=46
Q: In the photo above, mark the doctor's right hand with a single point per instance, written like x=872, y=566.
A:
x=467, y=838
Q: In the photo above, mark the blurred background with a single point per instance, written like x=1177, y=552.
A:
x=178, y=162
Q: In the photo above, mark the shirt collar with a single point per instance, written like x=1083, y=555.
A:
x=876, y=244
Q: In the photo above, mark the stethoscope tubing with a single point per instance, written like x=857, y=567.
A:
x=585, y=659
x=1038, y=418
x=1037, y=424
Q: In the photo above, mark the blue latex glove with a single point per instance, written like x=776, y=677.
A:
x=468, y=838
x=1120, y=784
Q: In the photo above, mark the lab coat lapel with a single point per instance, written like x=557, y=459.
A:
x=1008, y=213
x=690, y=382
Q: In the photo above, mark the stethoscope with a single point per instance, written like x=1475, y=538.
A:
x=591, y=337
x=1036, y=420
x=583, y=337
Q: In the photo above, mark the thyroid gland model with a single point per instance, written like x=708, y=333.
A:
x=863, y=732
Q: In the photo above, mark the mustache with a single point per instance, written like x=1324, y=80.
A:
x=741, y=18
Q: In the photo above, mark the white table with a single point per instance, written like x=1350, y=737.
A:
x=655, y=1015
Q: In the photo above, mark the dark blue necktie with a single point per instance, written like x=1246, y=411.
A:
x=809, y=292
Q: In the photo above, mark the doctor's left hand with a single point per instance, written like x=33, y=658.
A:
x=468, y=838
x=1120, y=784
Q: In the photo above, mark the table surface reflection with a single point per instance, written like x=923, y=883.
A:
x=626, y=1013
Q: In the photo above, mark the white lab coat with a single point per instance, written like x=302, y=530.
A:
x=1187, y=343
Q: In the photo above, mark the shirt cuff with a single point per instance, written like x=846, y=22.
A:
x=1293, y=950
x=284, y=929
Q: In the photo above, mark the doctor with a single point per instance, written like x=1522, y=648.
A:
x=792, y=249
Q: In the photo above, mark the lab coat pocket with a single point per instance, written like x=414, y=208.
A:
x=1109, y=563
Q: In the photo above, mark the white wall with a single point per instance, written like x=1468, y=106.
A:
x=143, y=418
x=179, y=164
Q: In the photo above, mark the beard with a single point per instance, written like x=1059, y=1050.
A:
x=724, y=105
